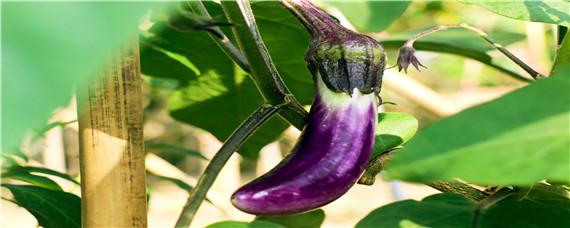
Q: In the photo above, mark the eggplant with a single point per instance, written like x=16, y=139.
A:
x=336, y=144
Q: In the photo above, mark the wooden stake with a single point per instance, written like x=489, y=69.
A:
x=110, y=119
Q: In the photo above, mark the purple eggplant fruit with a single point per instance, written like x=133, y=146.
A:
x=337, y=142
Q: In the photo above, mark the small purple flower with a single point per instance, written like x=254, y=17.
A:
x=406, y=57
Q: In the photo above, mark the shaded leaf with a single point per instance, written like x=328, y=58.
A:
x=549, y=194
x=512, y=213
x=215, y=94
x=52, y=209
x=517, y=139
x=393, y=130
x=370, y=16
x=551, y=11
x=450, y=210
x=441, y=210
x=312, y=219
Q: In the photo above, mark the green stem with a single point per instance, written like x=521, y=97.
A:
x=375, y=166
x=459, y=188
x=534, y=74
x=263, y=70
x=224, y=42
x=236, y=139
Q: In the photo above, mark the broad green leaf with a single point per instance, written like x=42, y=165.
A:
x=174, y=149
x=511, y=213
x=215, y=94
x=312, y=219
x=393, y=130
x=450, y=210
x=236, y=224
x=549, y=194
x=441, y=210
x=517, y=139
x=48, y=47
x=370, y=16
x=551, y=11
x=36, y=180
x=52, y=209
x=457, y=41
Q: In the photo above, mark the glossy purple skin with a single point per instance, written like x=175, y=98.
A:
x=329, y=157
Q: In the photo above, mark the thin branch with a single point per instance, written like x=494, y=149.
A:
x=534, y=74
x=223, y=42
x=236, y=139
x=459, y=188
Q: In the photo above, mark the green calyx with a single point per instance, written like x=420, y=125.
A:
x=348, y=62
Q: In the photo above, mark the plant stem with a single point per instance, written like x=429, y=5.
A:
x=262, y=69
x=534, y=74
x=236, y=139
x=377, y=164
x=459, y=188
x=224, y=43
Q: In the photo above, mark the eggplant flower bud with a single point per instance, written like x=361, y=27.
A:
x=406, y=57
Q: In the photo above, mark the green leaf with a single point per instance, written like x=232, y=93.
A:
x=549, y=194
x=512, y=213
x=552, y=11
x=458, y=42
x=181, y=184
x=33, y=169
x=52, y=209
x=517, y=139
x=236, y=224
x=15, y=152
x=48, y=47
x=393, y=130
x=215, y=94
x=562, y=56
x=441, y=210
x=370, y=16
x=52, y=125
x=174, y=149
x=312, y=219
x=36, y=180
x=450, y=210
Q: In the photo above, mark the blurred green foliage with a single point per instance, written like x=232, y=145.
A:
x=50, y=47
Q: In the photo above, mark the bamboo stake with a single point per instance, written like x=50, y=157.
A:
x=111, y=145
